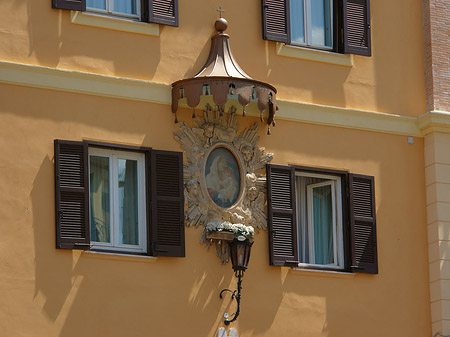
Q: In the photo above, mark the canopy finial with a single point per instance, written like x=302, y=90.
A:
x=220, y=10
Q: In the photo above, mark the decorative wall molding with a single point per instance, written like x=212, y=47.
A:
x=160, y=93
x=114, y=23
x=434, y=121
x=314, y=55
x=224, y=176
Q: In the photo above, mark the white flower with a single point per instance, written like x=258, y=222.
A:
x=226, y=226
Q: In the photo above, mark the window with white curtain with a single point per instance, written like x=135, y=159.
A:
x=312, y=23
x=123, y=8
x=319, y=220
x=117, y=207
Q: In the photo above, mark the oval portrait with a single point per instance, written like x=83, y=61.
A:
x=222, y=177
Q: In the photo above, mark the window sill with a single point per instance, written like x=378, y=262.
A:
x=119, y=256
x=322, y=273
x=114, y=23
x=314, y=55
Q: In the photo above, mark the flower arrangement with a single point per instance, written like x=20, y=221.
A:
x=237, y=228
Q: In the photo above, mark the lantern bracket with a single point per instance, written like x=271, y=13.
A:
x=235, y=295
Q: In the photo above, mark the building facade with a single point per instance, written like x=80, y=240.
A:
x=106, y=200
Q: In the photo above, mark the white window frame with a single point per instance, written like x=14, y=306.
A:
x=338, y=235
x=307, y=27
x=114, y=156
x=110, y=10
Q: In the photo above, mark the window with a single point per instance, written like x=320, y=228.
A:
x=321, y=219
x=164, y=12
x=342, y=26
x=311, y=23
x=125, y=8
x=119, y=198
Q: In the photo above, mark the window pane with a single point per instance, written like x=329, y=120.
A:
x=100, y=4
x=297, y=21
x=128, y=202
x=321, y=23
x=99, y=199
x=323, y=225
x=125, y=6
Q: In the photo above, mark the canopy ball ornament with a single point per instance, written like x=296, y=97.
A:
x=223, y=79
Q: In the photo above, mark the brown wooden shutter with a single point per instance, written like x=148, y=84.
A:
x=283, y=246
x=71, y=195
x=356, y=14
x=363, y=231
x=76, y=5
x=164, y=12
x=167, y=227
x=275, y=20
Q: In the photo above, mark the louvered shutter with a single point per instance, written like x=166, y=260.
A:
x=164, y=12
x=76, y=5
x=283, y=246
x=356, y=14
x=275, y=20
x=167, y=227
x=71, y=195
x=363, y=231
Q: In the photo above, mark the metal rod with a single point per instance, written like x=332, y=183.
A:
x=235, y=295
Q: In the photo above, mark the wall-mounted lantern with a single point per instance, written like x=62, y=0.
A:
x=240, y=249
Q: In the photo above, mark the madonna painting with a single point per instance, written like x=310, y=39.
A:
x=222, y=177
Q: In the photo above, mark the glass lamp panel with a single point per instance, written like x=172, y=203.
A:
x=321, y=25
x=100, y=196
x=125, y=6
x=297, y=12
x=99, y=4
x=128, y=201
x=323, y=225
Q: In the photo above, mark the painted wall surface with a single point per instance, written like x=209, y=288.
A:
x=50, y=292
x=47, y=292
x=391, y=81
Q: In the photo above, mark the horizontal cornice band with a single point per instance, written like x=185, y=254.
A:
x=160, y=93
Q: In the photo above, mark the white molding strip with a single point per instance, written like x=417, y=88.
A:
x=348, y=118
x=114, y=23
x=314, y=55
x=160, y=93
x=85, y=83
x=434, y=121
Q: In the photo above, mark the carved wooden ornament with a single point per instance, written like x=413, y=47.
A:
x=224, y=176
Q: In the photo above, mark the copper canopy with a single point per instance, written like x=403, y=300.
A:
x=220, y=77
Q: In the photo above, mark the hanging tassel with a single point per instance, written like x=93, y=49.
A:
x=261, y=116
x=273, y=123
x=176, y=118
x=193, y=112
x=243, y=111
x=268, y=131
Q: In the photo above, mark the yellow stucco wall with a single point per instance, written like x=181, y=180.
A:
x=49, y=292
x=390, y=81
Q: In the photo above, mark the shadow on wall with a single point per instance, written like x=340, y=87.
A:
x=56, y=42
x=100, y=297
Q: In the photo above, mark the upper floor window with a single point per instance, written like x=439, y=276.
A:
x=312, y=23
x=164, y=12
x=341, y=26
x=125, y=8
